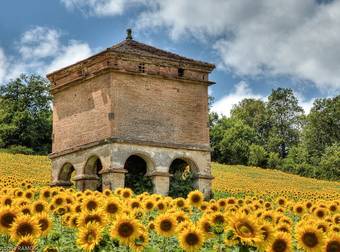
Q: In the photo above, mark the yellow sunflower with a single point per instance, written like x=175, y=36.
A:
x=45, y=223
x=89, y=236
x=309, y=238
x=165, y=225
x=281, y=243
x=26, y=243
x=86, y=217
x=140, y=242
x=7, y=217
x=125, y=229
x=191, y=239
x=246, y=229
x=332, y=243
x=195, y=198
x=24, y=225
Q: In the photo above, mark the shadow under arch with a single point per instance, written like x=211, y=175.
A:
x=138, y=166
x=183, y=178
x=93, y=166
x=65, y=173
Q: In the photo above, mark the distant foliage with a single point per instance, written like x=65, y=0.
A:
x=277, y=134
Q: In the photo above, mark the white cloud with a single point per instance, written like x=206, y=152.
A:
x=39, y=42
x=3, y=65
x=41, y=51
x=265, y=37
x=100, y=7
x=242, y=91
x=70, y=54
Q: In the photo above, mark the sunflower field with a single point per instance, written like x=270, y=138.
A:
x=253, y=210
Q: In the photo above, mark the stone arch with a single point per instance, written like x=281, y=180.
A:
x=65, y=173
x=138, y=166
x=184, y=173
x=91, y=170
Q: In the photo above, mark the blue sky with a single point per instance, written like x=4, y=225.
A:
x=256, y=45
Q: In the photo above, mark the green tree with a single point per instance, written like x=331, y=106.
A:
x=322, y=127
x=25, y=114
x=235, y=143
x=257, y=155
x=330, y=162
x=285, y=118
x=253, y=112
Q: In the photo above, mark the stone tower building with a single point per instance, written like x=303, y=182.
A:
x=130, y=105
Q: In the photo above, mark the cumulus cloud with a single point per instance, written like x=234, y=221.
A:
x=3, y=64
x=242, y=91
x=39, y=42
x=265, y=37
x=100, y=7
x=41, y=51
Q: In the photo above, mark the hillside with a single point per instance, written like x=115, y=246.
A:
x=232, y=179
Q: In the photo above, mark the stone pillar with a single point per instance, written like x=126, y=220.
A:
x=161, y=182
x=203, y=184
x=113, y=178
x=61, y=183
x=86, y=181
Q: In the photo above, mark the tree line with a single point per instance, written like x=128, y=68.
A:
x=278, y=134
x=271, y=134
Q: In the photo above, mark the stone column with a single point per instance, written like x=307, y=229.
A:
x=113, y=178
x=61, y=183
x=161, y=182
x=86, y=181
x=203, y=184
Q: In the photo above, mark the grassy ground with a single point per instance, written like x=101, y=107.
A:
x=232, y=179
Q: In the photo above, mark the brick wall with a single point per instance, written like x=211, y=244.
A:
x=141, y=107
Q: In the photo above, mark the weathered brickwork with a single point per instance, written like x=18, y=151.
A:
x=130, y=95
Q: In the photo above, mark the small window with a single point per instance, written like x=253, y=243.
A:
x=141, y=68
x=180, y=72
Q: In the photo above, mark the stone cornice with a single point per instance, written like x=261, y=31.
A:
x=129, y=141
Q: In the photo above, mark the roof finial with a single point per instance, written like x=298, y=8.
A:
x=129, y=33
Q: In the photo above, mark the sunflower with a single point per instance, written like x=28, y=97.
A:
x=246, y=229
x=126, y=193
x=165, y=225
x=125, y=229
x=7, y=217
x=218, y=218
x=45, y=194
x=27, y=244
x=89, y=236
x=191, y=239
x=281, y=243
x=45, y=223
x=149, y=204
x=39, y=206
x=195, y=198
x=140, y=242
x=90, y=203
x=267, y=234
x=180, y=202
x=24, y=225
x=309, y=238
x=6, y=201
x=74, y=220
x=92, y=216
x=332, y=243
x=112, y=206
x=206, y=227
x=180, y=216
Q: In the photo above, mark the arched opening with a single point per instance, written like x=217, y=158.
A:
x=135, y=178
x=93, y=167
x=66, y=173
x=183, y=177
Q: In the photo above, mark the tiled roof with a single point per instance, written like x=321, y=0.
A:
x=135, y=47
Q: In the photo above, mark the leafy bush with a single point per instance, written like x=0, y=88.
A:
x=274, y=160
x=18, y=149
x=330, y=162
x=257, y=155
x=139, y=183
